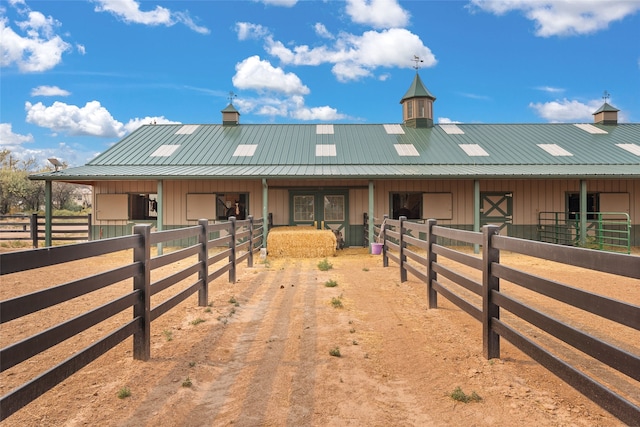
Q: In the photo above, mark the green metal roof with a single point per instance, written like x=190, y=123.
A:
x=214, y=151
x=606, y=107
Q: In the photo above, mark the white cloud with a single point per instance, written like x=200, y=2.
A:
x=11, y=141
x=37, y=49
x=256, y=74
x=550, y=89
x=92, y=119
x=322, y=31
x=564, y=17
x=355, y=57
x=377, y=13
x=129, y=12
x=134, y=124
x=49, y=91
x=446, y=120
x=283, y=3
x=247, y=30
x=292, y=107
x=562, y=111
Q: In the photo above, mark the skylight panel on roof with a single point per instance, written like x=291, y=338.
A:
x=245, y=150
x=406, y=150
x=324, y=129
x=554, y=150
x=632, y=148
x=325, y=150
x=590, y=128
x=187, y=129
x=473, y=150
x=164, y=151
x=394, y=129
x=452, y=129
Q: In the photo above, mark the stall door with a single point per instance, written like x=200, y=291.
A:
x=497, y=208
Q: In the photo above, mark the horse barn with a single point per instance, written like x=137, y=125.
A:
x=537, y=181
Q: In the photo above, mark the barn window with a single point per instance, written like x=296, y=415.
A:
x=406, y=204
x=421, y=108
x=303, y=208
x=334, y=208
x=143, y=206
x=409, y=109
x=573, y=205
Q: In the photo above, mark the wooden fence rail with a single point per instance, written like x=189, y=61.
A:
x=32, y=228
x=415, y=248
x=245, y=236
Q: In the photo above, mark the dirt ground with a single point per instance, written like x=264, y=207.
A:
x=265, y=353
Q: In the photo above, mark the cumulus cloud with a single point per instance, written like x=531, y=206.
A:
x=49, y=91
x=322, y=31
x=92, y=119
x=12, y=141
x=129, y=12
x=292, y=107
x=256, y=74
x=34, y=46
x=550, y=89
x=377, y=13
x=565, y=110
x=134, y=124
x=564, y=17
x=355, y=57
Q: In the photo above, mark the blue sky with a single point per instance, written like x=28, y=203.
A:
x=77, y=76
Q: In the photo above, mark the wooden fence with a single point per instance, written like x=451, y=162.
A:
x=237, y=241
x=415, y=248
x=32, y=228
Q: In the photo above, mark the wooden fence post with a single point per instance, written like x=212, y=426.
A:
x=250, y=258
x=34, y=229
x=403, y=257
x=432, y=258
x=203, y=257
x=383, y=233
x=89, y=233
x=142, y=283
x=232, y=246
x=490, y=283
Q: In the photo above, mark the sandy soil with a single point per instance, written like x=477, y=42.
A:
x=260, y=354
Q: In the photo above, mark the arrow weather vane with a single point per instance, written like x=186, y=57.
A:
x=606, y=96
x=231, y=96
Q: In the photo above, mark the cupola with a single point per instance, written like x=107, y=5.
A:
x=606, y=115
x=230, y=116
x=417, y=105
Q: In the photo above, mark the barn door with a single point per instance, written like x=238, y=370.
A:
x=497, y=208
x=325, y=209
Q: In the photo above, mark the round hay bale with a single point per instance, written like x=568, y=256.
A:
x=300, y=242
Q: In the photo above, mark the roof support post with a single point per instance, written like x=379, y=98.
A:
x=160, y=211
x=47, y=213
x=371, y=218
x=583, y=212
x=265, y=212
x=476, y=212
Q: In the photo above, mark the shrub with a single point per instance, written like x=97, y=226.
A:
x=325, y=265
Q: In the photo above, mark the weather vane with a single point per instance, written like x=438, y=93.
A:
x=417, y=60
x=231, y=96
x=606, y=96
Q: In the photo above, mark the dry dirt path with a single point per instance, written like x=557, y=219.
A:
x=260, y=356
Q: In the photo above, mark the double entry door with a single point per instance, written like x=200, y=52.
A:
x=323, y=209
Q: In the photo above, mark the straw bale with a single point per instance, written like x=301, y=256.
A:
x=300, y=242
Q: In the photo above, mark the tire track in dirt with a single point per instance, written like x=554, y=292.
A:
x=162, y=403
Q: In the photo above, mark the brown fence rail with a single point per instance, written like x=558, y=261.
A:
x=219, y=249
x=32, y=228
x=415, y=248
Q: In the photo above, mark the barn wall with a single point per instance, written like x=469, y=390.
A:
x=530, y=197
